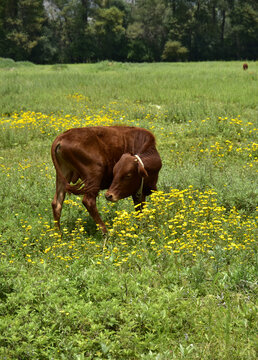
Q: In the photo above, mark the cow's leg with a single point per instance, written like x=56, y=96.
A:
x=89, y=201
x=138, y=202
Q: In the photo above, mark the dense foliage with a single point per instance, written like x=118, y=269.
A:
x=48, y=31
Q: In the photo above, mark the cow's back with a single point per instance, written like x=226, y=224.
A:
x=108, y=142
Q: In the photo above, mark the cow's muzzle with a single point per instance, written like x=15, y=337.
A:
x=111, y=197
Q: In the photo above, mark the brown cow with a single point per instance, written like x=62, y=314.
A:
x=122, y=159
x=245, y=66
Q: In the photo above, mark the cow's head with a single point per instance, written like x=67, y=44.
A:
x=127, y=176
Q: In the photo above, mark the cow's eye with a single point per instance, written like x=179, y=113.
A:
x=128, y=176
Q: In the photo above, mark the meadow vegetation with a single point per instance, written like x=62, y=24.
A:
x=177, y=281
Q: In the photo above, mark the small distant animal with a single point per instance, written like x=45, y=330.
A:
x=122, y=159
x=245, y=66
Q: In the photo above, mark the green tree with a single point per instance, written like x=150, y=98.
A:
x=244, y=30
x=141, y=30
x=87, y=30
x=110, y=33
x=149, y=27
x=69, y=35
x=180, y=21
x=21, y=28
x=174, y=51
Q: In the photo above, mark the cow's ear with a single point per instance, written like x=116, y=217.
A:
x=142, y=171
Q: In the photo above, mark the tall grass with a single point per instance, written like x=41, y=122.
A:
x=185, y=91
x=177, y=281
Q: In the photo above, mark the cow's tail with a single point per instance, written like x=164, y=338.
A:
x=54, y=149
x=76, y=189
x=79, y=187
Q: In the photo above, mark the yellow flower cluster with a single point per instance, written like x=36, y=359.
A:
x=105, y=116
x=178, y=223
x=219, y=150
x=49, y=124
x=78, y=97
x=186, y=222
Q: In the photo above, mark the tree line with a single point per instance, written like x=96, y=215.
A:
x=72, y=31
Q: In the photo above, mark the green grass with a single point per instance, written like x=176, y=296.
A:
x=184, y=90
x=178, y=281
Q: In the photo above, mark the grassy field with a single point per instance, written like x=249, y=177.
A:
x=177, y=281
